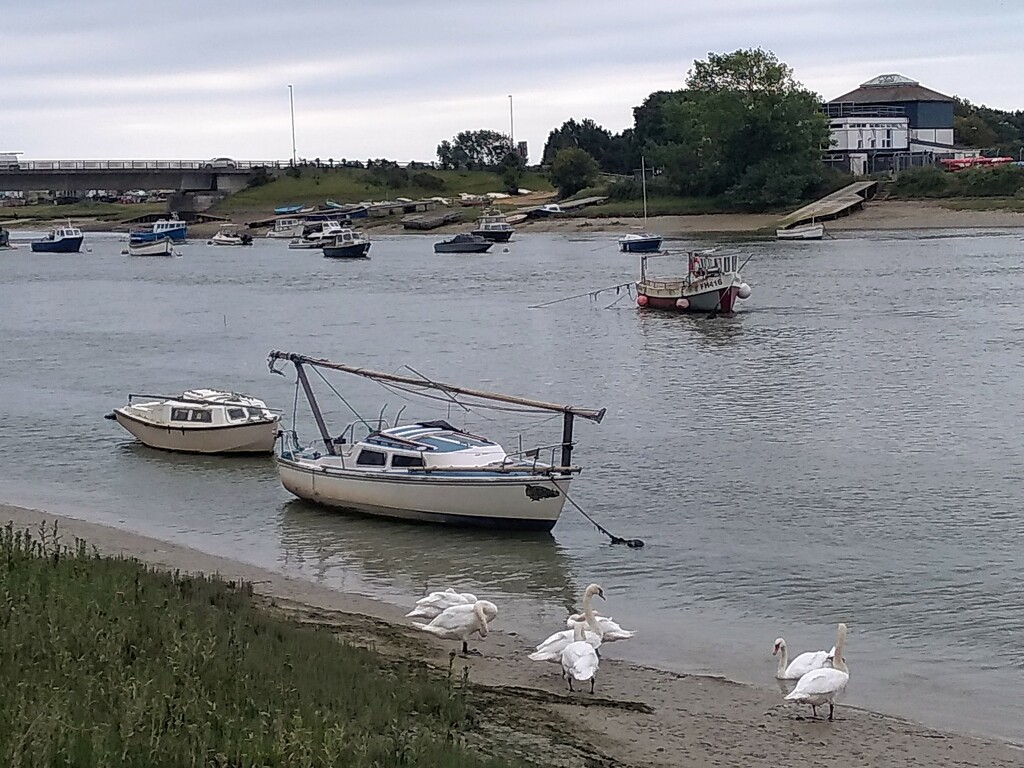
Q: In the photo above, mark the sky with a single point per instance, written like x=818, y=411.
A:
x=100, y=79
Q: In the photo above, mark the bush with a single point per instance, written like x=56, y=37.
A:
x=428, y=181
x=922, y=182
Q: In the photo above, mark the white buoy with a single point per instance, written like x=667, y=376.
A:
x=744, y=291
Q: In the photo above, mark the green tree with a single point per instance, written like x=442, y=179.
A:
x=511, y=170
x=474, y=150
x=972, y=131
x=585, y=134
x=571, y=170
x=742, y=127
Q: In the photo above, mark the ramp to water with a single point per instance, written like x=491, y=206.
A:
x=842, y=202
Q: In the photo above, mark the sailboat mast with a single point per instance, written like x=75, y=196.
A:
x=643, y=182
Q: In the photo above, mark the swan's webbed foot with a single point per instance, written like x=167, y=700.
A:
x=831, y=710
x=591, y=685
x=570, y=685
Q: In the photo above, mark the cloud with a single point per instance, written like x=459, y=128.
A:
x=109, y=79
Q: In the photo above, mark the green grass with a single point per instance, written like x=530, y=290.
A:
x=656, y=206
x=104, y=662
x=101, y=211
x=1015, y=204
x=354, y=185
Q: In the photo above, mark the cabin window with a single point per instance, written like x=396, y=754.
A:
x=398, y=460
x=371, y=459
x=203, y=416
x=236, y=413
x=180, y=414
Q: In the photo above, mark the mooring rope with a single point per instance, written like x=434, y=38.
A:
x=631, y=543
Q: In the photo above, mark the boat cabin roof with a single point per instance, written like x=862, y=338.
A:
x=433, y=436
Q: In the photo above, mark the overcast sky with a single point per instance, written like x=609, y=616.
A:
x=99, y=79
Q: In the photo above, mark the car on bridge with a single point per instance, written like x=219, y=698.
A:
x=221, y=162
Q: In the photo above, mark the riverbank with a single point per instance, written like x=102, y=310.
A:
x=638, y=717
x=887, y=215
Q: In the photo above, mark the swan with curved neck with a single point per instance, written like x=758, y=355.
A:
x=822, y=686
x=551, y=648
x=458, y=622
x=801, y=665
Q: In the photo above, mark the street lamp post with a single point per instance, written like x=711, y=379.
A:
x=291, y=100
x=511, y=125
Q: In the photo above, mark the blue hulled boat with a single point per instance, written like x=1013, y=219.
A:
x=60, y=240
x=173, y=228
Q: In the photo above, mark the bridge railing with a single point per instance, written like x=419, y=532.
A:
x=146, y=165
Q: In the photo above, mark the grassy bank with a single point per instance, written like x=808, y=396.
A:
x=352, y=185
x=108, y=663
x=112, y=212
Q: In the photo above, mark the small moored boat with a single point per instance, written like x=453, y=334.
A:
x=464, y=243
x=200, y=421
x=711, y=284
x=428, y=471
x=347, y=244
x=316, y=234
x=284, y=210
x=641, y=242
x=66, y=239
x=173, y=228
x=493, y=226
x=228, y=236
x=162, y=247
x=810, y=231
x=287, y=227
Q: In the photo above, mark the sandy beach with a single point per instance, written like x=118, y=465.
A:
x=638, y=716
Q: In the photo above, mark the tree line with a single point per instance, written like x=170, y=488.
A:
x=741, y=132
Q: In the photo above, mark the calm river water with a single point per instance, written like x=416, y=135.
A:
x=846, y=448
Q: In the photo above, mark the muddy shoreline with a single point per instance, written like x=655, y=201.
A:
x=639, y=716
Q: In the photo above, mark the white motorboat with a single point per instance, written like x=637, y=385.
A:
x=317, y=235
x=200, y=421
x=428, y=471
x=228, y=236
x=494, y=226
x=162, y=247
x=811, y=231
x=287, y=227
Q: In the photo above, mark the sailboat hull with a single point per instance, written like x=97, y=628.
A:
x=497, y=501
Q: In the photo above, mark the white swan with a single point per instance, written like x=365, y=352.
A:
x=434, y=604
x=579, y=659
x=821, y=686
x=609, y=630
x=802, y=664
x=458, y=622
x=551, y=649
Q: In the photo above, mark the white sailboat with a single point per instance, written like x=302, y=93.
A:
x=429, y=471
x=641, y=242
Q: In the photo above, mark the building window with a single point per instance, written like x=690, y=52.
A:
x=860, y=143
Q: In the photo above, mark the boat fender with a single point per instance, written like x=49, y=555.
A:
x=682, y=304
x=641, y=300
x=110, y=416
x=744, y=291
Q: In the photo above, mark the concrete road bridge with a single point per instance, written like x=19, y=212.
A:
x=221, y=175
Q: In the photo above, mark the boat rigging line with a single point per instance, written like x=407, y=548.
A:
x=631, y=543
x=591, y=294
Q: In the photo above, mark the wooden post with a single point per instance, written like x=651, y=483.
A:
x=328, y=442
x=567, y=439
